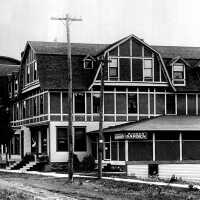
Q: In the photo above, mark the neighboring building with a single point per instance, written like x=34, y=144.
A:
x=9, y=67
x=142, y=82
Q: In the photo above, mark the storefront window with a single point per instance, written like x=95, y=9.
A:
x=191, y=146
x=167, y=146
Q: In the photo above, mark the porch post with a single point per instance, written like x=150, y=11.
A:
x=126, y=150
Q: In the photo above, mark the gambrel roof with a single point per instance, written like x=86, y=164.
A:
x=52, y=61
x=60, y=48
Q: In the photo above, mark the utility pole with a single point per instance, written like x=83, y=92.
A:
x=67, y=20
x=103, y=62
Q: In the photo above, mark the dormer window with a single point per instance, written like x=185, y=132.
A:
x=178, y=74
x=88, y=64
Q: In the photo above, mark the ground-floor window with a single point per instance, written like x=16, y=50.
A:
x=62, y=139
x=167, y=146
x=191, y=146
x=140, y=150
x=80, y=143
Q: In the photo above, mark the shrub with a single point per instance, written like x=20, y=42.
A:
x=88, y=163
x=76, y=164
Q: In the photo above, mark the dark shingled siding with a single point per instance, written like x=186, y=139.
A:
x=52, y=71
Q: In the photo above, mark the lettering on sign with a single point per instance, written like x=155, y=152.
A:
x=133, y=136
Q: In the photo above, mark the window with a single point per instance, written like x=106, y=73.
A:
x=41, y=104
x=80, y=139
x=170, y=104
x=34, y=107
x=132, y=103
x=24, y=109
x=113, y=68
x=88, y=64
x=62, y=139
x=148, y=70
x=28, y=74
x=16, y=85
x=35, y=71
x=79, y=103
x=96, y=103
x=178, y=74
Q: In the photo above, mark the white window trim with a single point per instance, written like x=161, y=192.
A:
x=184, y=75
x=110, y=77
x=152, y=69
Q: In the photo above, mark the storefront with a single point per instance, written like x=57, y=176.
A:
x=163, y=146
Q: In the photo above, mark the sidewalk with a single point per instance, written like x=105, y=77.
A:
x=131, y=180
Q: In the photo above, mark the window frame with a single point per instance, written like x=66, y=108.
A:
x=88, y=60
x=75, y=107
x=148, y=78
x=57, y=147
x=115, y=67
x=35, y=71
x=182, y=81
x=136, y=98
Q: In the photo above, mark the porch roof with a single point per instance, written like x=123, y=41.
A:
x=162, y=123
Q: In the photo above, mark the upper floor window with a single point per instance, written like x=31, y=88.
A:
x=41, y=104
x=24, y=109
x=113, y=68
x=96, y=103
x=88, y=63
x=148, y=70
x=16, y=85
x=178, y=74
x=35, y=71
x=132, y=103
x=28, y=74
x=79, y=103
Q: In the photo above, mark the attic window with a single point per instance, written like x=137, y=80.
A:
x=178, y=74
x=88, y=63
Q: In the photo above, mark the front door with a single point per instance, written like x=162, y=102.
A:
x=34, y=142
x=22, y=144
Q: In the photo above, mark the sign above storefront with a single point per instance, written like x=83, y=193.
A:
x=131, y=136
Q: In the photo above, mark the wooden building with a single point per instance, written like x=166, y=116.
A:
x=9, y=67
x=151, y=104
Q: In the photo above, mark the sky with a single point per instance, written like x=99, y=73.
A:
x=158, y=22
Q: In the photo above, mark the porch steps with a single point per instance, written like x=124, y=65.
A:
x=28, y=166
x=13, y=165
